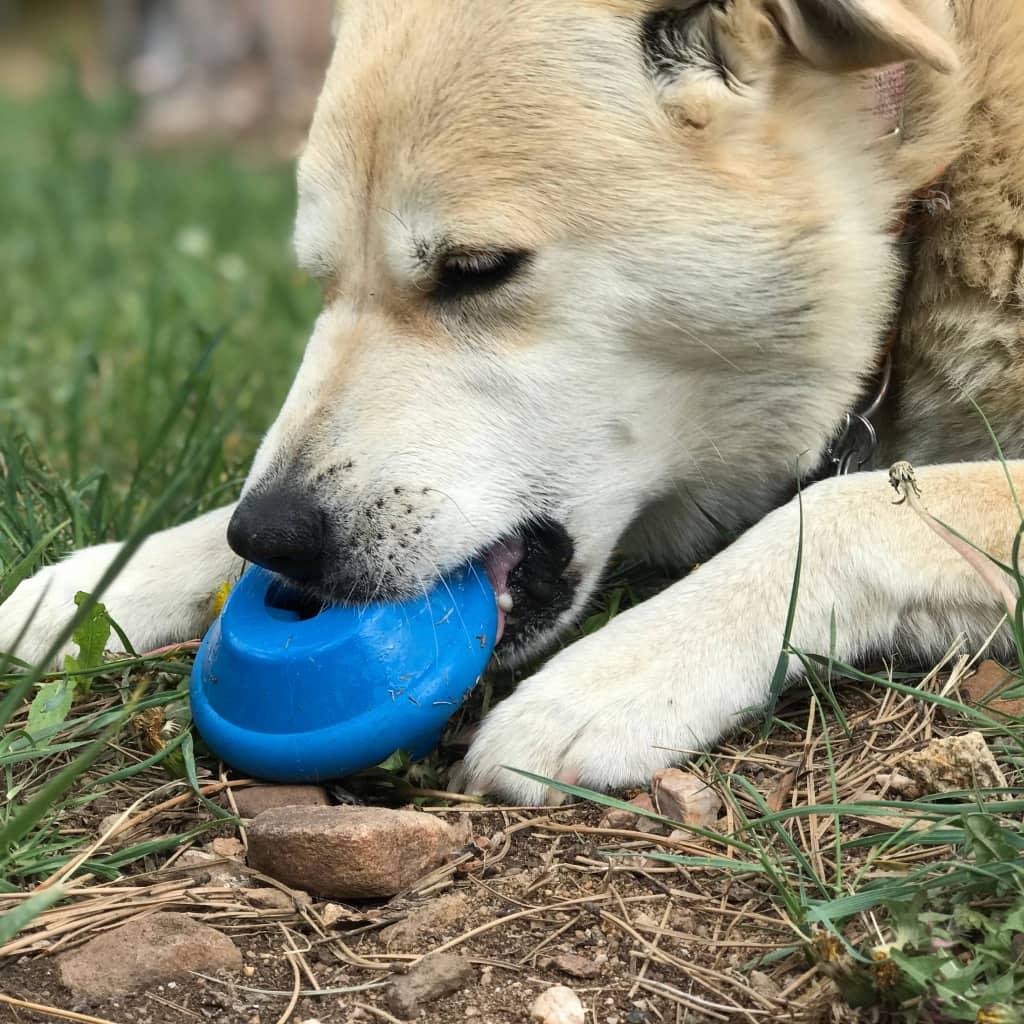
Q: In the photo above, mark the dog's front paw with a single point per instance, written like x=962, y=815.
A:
x=163, y=595
x=34, y=615
x=604, y=714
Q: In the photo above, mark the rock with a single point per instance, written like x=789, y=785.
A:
x=684, y=797
x=332, y=913
x=782, y=791
x=432, y=978
x=112, y=819
x=576, y=966
x=558, y=1005
x=618, y=818
x=209, y=869
x=348, y=852
x=227, y=847
x=954, y=763
x=430, y=919
x=151, y=951
x=269, y=899
x=984, y=688
x=254, y=800
x=462, y=829
x=763, y=985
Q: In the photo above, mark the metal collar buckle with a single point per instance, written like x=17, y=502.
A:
x=857, y=441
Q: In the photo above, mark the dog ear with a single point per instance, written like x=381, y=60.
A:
x=854, y=35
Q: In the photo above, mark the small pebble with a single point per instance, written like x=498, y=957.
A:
x=558, y=1005
x=577, y=966
x=431, y=979
x=687, y=798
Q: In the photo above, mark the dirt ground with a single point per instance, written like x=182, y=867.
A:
x=655, y=943
x=537, y=898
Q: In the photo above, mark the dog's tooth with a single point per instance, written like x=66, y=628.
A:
x=505, y=602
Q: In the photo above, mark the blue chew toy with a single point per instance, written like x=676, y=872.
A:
x=287, y=695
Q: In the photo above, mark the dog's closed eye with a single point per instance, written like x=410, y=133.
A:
x=463, y=274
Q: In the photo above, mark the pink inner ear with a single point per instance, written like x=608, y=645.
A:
x=889, y=93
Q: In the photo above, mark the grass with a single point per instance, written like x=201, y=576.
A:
x=153, y=317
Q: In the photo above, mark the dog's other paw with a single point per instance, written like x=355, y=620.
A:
x=163, y=595
x=658, y=685
x=604, y=714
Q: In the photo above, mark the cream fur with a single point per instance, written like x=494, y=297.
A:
x=712, y=280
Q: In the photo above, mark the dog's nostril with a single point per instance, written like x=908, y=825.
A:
x=281, y=530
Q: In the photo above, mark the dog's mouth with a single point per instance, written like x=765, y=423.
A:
x=532, y=580
x=530, y=572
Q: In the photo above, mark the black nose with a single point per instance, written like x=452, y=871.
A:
x=281, y=530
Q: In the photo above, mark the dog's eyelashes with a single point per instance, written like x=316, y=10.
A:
x=460, y=275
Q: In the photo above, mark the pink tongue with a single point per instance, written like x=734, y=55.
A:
x=499, y=561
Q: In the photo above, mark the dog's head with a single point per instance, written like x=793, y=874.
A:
x=586, y=264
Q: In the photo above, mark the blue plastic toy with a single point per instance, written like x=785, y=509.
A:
x=290, y=694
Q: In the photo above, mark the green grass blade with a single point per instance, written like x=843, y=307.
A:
x=25, y=913
x=21, y=570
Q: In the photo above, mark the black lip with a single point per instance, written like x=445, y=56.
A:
x=542, y=586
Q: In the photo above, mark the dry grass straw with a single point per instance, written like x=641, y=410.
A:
x=583, y=872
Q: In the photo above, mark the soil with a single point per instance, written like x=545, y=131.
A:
x=535, y=886
x=537, y=898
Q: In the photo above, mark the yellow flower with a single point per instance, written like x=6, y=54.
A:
x=827, y=946
x=221, y=597
x=997, y=1013
x=887, y=973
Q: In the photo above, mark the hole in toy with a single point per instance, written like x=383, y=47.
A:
x=290, y=605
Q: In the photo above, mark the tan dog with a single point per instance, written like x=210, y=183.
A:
x=603, y=273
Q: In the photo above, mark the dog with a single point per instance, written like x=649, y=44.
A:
x=618, y=276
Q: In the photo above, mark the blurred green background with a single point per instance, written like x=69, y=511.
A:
x=152, y=315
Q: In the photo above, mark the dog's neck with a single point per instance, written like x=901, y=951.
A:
x=857, y=440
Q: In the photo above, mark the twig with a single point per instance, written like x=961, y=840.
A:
x=443, y=794
x=554, y=908
x=306, y=993
x=690, y=970
x=296, y=989
x=657, y=939
x=299, y=955
x=532, y=955
x=716, y=1010
x=177, y=1007
x=233, y=805
x=187, y=646
x=798, y=983
x=65, y=871
x=904, y=482
x=53, y=1011
x=376, y=1011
